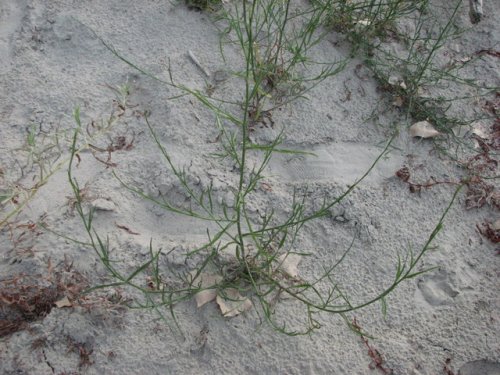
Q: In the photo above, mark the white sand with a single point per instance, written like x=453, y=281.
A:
x=50, y=63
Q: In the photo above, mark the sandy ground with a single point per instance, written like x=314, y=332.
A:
x=50, y=62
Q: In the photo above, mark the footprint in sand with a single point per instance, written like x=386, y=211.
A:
x=436, y=289
x=341, y=162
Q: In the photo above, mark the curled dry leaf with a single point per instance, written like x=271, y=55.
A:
x=398, y=102
x=205, y=280
x=423, y=129
x=289, y=263
x=232, y=303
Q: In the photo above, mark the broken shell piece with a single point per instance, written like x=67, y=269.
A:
x=289, y=264
x=232, y=303
x=423, y=129
x=205, y=280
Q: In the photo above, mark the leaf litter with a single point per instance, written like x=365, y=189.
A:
x=230, y=300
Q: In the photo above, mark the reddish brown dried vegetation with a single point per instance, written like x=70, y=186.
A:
x=118, y=144
x=488, y=230
x=23, y=237
x=480, y=167
x=404, y=175
x=376, y=357
x=479, y=192
x=26, y=298
x=447, y=370
x=83, y=349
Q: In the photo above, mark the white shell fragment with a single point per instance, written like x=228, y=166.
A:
x=206, y=280
x=423, y=129
x=289, y=264
x=232, y=303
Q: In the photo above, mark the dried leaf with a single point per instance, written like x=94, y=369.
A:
x=423, y=129
x=232, y=303
x=205, y=296
x=398, y=102
x=206, y=281
x=289, y=264
x=64, y=302
x=480, y=130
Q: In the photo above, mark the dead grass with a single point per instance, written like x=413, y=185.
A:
x=26, y=298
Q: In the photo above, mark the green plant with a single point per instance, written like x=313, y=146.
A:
x=275, y=38
x=249, y=257
x=371, y=26
x=364, y=20
x=417, y=80
x=44, y=157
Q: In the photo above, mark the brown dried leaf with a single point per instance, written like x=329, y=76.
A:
x=289, y=264
x=232, y=303
x=481, y=193
x=423, y=129
x=206, y=280
x=63, y=302
x=398, y=102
